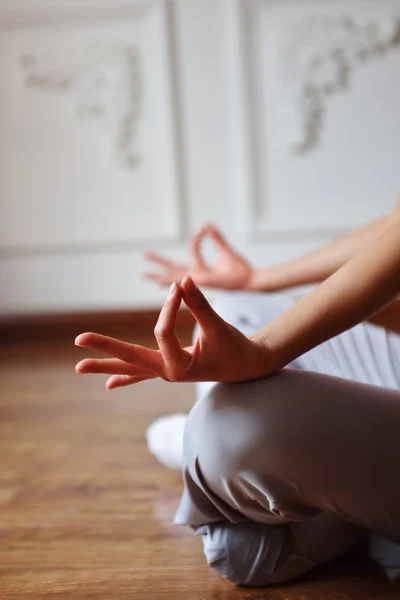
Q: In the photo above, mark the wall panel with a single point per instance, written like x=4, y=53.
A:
x=315, y=106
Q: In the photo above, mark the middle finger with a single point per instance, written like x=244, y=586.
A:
x=110, y=366
x=130, y=353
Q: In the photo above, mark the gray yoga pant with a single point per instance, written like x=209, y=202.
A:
x=288, y=472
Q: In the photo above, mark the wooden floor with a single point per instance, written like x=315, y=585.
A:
x=86, y=511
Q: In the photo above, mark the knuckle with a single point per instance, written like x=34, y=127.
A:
x=161, y=332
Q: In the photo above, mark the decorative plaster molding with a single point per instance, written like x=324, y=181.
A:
x=108, y=82
x=319, y=53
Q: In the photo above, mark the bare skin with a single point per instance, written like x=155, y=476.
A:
x=364, y=286
x=220, y=353
x=230, y=271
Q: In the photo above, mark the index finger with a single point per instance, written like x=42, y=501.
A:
x=217, y=236
x=175, y=357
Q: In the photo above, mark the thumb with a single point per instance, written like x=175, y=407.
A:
x=200, y=308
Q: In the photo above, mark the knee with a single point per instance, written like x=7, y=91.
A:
x=254, y=446
x=237, y=426
x=218, y=433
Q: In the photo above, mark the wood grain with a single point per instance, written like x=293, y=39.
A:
x=34, y=328
x=86, y=511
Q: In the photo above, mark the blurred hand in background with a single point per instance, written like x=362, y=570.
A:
x=229, y=271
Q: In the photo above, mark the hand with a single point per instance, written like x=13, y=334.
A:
x=220, y=353
x=230, y=271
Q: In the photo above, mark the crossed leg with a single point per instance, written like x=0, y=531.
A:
x=288, y=472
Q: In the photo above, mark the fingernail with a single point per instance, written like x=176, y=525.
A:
x=172, y=290
x=189, y=284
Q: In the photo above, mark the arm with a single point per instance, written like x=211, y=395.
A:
x=319, y=264
x=362, y=287
x=232, y=271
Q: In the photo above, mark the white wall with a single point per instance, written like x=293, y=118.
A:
x=124, y=126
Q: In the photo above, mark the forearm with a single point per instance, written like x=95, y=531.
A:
x=363, y=286
x=318, y=265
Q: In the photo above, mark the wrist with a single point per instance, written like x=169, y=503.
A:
x=263, y=280
x=271, y=359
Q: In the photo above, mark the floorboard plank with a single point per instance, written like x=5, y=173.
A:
x=86, y=511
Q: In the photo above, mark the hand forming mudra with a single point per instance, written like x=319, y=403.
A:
x=220, y=353
x=229, y=271
x=364, y=285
